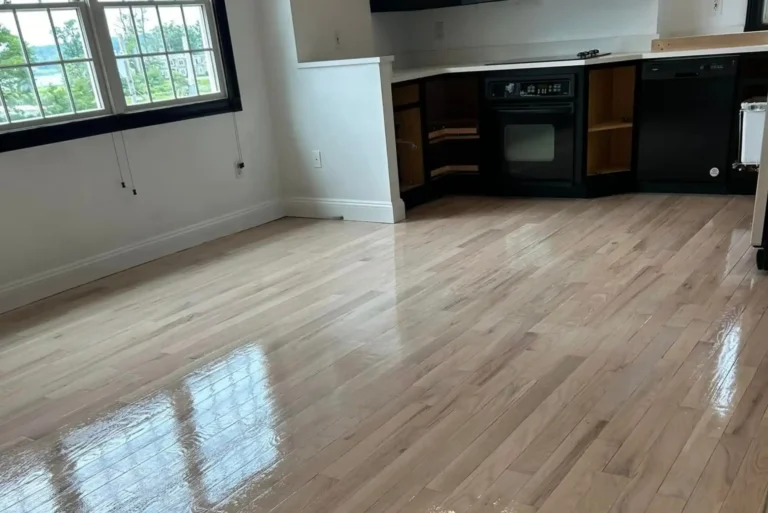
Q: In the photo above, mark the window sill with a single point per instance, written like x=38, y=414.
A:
x=50, y=134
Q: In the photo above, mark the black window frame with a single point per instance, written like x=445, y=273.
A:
x=754, y=21
x=110, y=123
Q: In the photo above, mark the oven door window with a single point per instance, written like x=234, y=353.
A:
x=529, y=143
x=535, y=142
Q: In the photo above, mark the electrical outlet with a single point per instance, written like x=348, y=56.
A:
x=317, y=159
x=239, y=167
x=439, y=30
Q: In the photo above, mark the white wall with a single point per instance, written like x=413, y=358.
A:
x=698, y=17
x=512, y=24
x=318, y=23
x=345, y=112
x=65, y=220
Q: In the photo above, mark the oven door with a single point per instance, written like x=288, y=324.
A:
x=535, y=141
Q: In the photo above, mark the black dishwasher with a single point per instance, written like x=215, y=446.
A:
x=685, y=121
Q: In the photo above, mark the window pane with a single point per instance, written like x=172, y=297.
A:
x=207, y=82
x=53, y=90
x=148, y=29
x=19, y=93
x=132, y=79
x=3, y=118
x=11, y=51
x=173, y=28
x=38, y=37
x=159, y=78
x=121, y=31
x=197, y=28
x=183, y=75
x=69, y=33
x=82, y=80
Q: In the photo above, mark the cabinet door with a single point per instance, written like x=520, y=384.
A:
x=410, y=151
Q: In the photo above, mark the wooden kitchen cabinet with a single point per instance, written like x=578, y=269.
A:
x=452, y=121
x=610, y=120
x=410, y=150
x=437, y=135
x=410, y=140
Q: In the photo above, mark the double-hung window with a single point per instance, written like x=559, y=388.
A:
x=64, y=61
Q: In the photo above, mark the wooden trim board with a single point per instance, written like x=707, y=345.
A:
x=677, y=44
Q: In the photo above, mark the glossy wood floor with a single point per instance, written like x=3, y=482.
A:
x=489, y=355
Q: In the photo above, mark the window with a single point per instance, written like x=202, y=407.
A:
x=47, y=70
x=70, y=60
x=757, y=15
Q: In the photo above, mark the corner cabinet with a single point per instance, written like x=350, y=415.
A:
x=437, y=136
x=610, y=129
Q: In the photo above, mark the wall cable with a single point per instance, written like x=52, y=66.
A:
x=237, y=139
x=117, y=158
x=128, y=160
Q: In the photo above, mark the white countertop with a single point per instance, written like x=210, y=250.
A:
x=404, y=75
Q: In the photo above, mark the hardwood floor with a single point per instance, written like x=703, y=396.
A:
x=489, y=355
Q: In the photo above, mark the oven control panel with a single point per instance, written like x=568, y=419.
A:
x=517, y=89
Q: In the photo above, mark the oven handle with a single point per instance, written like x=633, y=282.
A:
x=565, y=108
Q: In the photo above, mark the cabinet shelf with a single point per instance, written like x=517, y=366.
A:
x=610, y=170
x=445, y=133
x=454, y=169
x=611, y=109
x=611, y=125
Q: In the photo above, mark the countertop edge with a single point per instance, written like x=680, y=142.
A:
x=346, y=62
x=407, y=75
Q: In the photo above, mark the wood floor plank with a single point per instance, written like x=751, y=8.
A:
x=640, y=491
x=489, y=355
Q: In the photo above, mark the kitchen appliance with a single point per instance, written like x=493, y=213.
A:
x=684, y=122
x=530, y=129
x=759, y=225
x=751, y=125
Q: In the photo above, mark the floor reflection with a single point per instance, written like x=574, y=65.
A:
x=187, y=447
x=25, y=481
x=235, y=423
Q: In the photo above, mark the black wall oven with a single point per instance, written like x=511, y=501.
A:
x=530, y=131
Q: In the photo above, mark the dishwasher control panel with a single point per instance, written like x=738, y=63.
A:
x=665, y=69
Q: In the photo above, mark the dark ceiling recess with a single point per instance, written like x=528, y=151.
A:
x=755, y=17
x=418, y=5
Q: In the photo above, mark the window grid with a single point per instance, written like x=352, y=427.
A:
x=183, y=59
x=27, y=60
x=20, y=114
x=61, y=58
x=184, y=70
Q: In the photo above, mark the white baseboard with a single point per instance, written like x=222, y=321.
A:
x=367, y=211
x=28, y=290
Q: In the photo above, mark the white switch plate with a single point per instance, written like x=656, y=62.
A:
x=317, y=158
